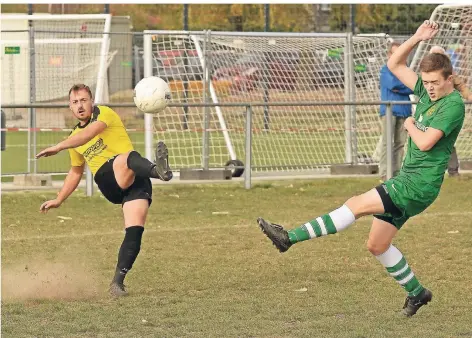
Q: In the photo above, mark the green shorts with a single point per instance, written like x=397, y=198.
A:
x=410, y=198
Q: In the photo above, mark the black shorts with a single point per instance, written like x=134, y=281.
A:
x=105, y=179
x=391, y=210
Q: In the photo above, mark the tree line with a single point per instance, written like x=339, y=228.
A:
x=369, y=18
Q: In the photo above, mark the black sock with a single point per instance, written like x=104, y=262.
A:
x=140, y=165
x=129, y=250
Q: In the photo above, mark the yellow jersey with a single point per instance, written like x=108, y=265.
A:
x=112, y=141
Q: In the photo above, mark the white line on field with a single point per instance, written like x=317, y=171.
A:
x=196, y=228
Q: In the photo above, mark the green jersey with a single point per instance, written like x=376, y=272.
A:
x=419, y=181
x=446, y=114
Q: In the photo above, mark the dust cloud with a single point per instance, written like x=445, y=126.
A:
x=48, y=280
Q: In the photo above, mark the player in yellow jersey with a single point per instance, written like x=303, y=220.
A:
x=121, y=173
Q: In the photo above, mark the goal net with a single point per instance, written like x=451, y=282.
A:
x=269, y=67
x=455, y=36
x=68, y=49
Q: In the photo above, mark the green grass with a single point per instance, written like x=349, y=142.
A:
x=14, y=158
x=201, y=274
x=274, y=149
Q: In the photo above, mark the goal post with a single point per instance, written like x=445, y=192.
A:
x=179, y=58
x=269, y=67
x=51, y=55
x=69, y=48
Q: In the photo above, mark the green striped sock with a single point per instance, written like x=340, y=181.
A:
x=328, y=224
x=405, y=277
x=397, y=266
x=318, y=227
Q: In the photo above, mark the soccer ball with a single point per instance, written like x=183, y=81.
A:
x=151, y=95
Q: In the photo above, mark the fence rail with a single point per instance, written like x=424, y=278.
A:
x=251, y=162
x=311, y=96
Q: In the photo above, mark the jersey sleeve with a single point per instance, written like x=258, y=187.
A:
x=449, y=119
x=76, y=159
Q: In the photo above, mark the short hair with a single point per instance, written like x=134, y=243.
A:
x=393, y=44
x=435, y=61
x=80, y=86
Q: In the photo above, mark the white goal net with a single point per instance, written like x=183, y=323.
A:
x=68, y=49
x=455, y=36
x=269, y=67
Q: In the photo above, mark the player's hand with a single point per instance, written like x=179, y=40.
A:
x=49, y=151
x=427, y=30
x=410, y=121
x=49, y=205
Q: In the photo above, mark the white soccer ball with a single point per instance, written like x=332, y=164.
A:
x=151, y=95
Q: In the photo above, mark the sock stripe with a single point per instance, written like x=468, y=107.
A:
x=329, y=224
x=399, y=272
x=310, y=230
x=397, y=266
x=324, y=232
x=403, y=275
x=316, y=228
x=407, y=278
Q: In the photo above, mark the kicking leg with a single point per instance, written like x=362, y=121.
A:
x=366, y=204
x=134, y=213
x=380, y=245
x=131, y=164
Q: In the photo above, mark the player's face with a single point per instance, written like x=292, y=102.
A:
x=81, y=105
x=436, y=85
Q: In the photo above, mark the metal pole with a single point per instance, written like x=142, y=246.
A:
x=206, y=110
x=352, y=8
x=248, y=153
x=100, y=90
x=185, y=80
x=148, y=118
x=185, y=17
x=3, y=133
x=32, y=111
x=352, y=98
x=347, y=109
x=137, y=65
x=266, y=70
x=107, y=9
x=388, y=116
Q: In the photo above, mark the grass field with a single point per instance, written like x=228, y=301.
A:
x=206, y=270
x=276, y=149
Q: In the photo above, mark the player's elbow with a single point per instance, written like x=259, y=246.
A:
x=392, y=64
x=426, y=145
x=77, y=170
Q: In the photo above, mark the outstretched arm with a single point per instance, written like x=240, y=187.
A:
x=70, y=184
x=77, y=140
x=397, y=62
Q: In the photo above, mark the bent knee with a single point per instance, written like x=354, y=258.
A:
x=121, y=160
x=377, y=248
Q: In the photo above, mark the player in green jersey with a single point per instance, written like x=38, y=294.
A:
x=433, y=131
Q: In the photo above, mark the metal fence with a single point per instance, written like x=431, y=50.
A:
x=319, y=109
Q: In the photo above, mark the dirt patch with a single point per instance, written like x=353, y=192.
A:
x=48, y=280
